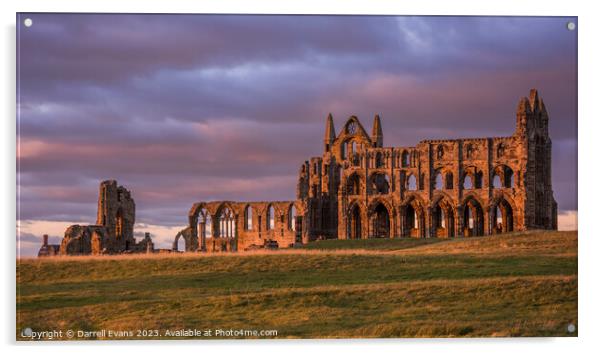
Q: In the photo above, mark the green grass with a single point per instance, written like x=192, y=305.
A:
x=515, y=285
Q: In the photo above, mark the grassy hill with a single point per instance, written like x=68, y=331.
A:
x=508, y=285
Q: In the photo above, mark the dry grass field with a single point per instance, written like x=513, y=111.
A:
x=506, y=285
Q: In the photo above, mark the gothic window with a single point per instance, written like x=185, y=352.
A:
x=469, y=151
x=271, y=218
x=380, y=183
x=440, y=152
x=351, y=128
x=500, y=149
x=411, y=185
x=226, y=223
x=468, y=184
x=439, y=181
x=449, y=181
x=497, y=182
x=248, y=218
x=379, y=160
x=292, y=214
x=405, y=159
x=119, y=224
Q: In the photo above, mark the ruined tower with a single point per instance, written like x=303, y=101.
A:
x=114, y=228
x=540, y=208
x=117, y=213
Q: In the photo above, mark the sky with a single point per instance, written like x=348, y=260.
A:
x=184, y=108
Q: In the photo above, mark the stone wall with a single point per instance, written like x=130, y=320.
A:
x=359, y=188
x=114, y=229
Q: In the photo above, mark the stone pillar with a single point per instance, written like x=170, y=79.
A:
x=491, y=220
x=402, y=221
x=460, y=221
x=429, y=222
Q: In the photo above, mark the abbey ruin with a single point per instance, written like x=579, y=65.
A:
x=113, y=232
x=359, y=188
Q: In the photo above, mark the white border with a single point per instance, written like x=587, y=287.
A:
x=589, y=128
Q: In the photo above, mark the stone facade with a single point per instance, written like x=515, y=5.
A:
x=224, y=226
x=359, y=188
x=114, y=229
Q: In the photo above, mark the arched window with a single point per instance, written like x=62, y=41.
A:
x=181, y=245
x=501, y=148
x=378, y=160
x=380, y=183
x=248, y=218
x=449, y=181
x=440, y=152
x=292, y=215
x=271, y=218
x=411, y=184
x=226, y=223
x=438, y=181
x=497, y=182
x=405, y=159
x=469, y=151
x=204, y=223
x=119, y=224
x=468, y=182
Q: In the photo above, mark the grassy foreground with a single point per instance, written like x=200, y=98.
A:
x=509, y=285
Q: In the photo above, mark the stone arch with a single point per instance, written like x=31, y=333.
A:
x=472, y=178
x=189, y=240
x=502, y=214
x=380, y=183
x=355, y=226
x=412, y=213
x=270, y=220
x=473, y=217
x=248, y=215
x=504, y=174
x=292, y=217
x=443, y=217
x=226, y=221
x=380, y=219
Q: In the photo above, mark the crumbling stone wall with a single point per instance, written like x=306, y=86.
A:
x=439, y=188
x=223, y=226
x=114, y=229
x=117, y=213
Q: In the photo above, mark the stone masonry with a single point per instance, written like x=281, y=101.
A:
x=113, y=232
x=359, y=188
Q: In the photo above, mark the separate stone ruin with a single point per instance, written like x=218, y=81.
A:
x=113, y=232
x=48, y=250
x=360, y=189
